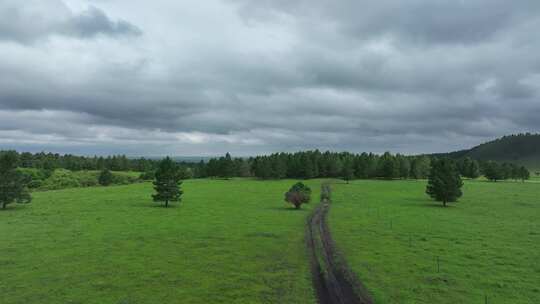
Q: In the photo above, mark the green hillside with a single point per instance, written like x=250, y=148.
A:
x=522, y=149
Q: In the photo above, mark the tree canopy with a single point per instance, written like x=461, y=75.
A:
x=298, y=194
x=167, y=182
x=444, y=181
x=13, y=184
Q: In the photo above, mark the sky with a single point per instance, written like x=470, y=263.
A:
x=178, y=77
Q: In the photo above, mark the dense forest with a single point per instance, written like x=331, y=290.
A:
x=299, y=165
x=522, y=149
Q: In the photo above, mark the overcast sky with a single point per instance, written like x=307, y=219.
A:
x=205, y=77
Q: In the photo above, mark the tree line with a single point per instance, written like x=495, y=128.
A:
x=302, y=165
x=316, y=164
x=51, y=161
x=348, y=166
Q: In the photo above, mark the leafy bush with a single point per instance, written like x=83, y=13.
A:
x=123, y=178
x=148, y=175
x=61, y=179
x=298, y=194
x=36, y=176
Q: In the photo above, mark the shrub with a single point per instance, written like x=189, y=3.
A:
x=298, y=194
x=61, y=179
x=148, y=175
x=105, y=178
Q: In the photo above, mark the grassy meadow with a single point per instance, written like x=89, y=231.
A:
x=228, y=242
x=488, y=244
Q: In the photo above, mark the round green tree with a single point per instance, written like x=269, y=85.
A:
x=444, y=181
x=298, y=194
x=167, y=182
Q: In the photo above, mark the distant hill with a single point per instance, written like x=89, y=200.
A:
x=522, y=149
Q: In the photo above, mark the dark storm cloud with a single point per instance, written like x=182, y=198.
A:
x=28, y=21
x=255, y=77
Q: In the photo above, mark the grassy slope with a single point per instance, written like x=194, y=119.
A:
x=229, y=242
x=488, y=244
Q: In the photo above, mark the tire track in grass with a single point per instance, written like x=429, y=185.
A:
x=334, y=281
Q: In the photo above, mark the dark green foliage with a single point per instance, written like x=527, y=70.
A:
x=388, y=166
x=105, y=177
x=227, y=167
x=444, y=182
x=326, y=192
x=50, y=162
x=468, y=167
x=523, y=173
x=404, y=166
x=148, y=175
x=298, y=194
x=348, y=169
x=523, y=149
x=13, y=183
x=420, y=167
x=167, y=182
x=493, y=171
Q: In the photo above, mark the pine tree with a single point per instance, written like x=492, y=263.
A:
x=348, y=169
x=105, y=177
x=13, y=184
x=388, y=166
x=493, y=171
x=524, y=174
x=444, y=182
x=227, y=166
x=167, y=183
x=474, y=169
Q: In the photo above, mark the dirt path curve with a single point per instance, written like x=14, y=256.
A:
x=333, y=280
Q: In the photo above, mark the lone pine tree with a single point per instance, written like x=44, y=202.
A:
x=444, y=181
x=13, y=184
x=167, y=182
x=105, y=177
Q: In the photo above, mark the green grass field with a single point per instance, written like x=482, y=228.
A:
x=228, y=242
x=488, y=244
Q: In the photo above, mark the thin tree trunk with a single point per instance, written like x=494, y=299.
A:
x=166, y=203
x=444, y=203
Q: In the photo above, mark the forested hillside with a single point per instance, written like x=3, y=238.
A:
x=523, y=149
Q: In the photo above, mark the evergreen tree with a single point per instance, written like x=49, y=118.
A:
x=420, y=167
x=524, y=174
x=335, y=166
x=348, y=169
x=13, y=184
x=227, y=167
x=388, y=166
x=493, y=171
x=473, y=170
x=404, y=167
x=167, y=183
x=105, y=177
x=444, y=183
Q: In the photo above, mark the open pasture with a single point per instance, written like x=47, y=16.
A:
x=229, y=241
x=406, y=248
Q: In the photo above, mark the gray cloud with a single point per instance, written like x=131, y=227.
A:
x=28, y=21
x=256, y=77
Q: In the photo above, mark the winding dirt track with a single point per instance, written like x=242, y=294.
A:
x=333, y=280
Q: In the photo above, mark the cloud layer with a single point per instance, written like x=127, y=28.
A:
x=185, y=78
